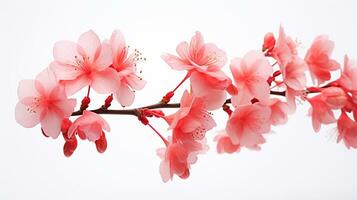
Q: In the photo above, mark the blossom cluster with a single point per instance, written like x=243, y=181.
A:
x=260, y=92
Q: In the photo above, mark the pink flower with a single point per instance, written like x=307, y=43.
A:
x=197, y=55
x=203, y=61
x=294, y=73
x=347, y=129
x=334, y=97
x=250, y=75
x=247, y=124
x=125, y=65
x=211, y=86
x=43, y=101
x=320, y=112
x=191, y=121
x=348, y=79
x=177, y=158
x=84, y=63
x=279, y=111
x=284, y=49
x=294, y=79
x=318, y=59
x=225, y=144
x=89, y=126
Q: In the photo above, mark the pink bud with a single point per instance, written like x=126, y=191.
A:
x=101, y=143
x=69, y=147
x=269, y=42
x=334, y=97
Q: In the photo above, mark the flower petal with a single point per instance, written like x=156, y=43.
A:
x=26, y=118
x=104, y=81
x=89, y=42
x=65, y=52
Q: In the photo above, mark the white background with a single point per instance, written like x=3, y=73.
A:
x=295, y=163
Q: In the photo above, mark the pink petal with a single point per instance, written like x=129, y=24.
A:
x=92, y=131
x=104, y=58
x=105, y=81
x=51, y=124
x=182, y=51
x=73, y=86
x=48, y=80
x=27, y=88
x=124, y=95
x=25, y=117
x=65, y=72
x=89, y=42
x=196, y=44
x=135, y=82
x=65, y=52
x=175, y=62
x=117, y=42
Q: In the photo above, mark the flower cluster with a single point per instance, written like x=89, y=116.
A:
x=260, y=93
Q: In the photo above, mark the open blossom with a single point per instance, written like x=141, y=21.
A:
x=211, y=86
x=84, y=63
x=43, y=101
x=225, y=144
x=192, y=120
x=279, y=111
x=348, y=79
x=347, y=129
x=247, y=124
x=177, y=158
x=125, y=65
x=320, y=112
x=284, y=49
x=203, y=61
x=250, y=75
x=319, y=61
x=88, y=126
x=197, y=55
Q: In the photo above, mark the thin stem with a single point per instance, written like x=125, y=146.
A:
x=88, y=91
x=183, y=80
x=157, y=132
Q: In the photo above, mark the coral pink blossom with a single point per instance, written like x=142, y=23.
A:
x=347, y=129
x=284, y=49
x=294, y=73
x=247, y=124
x=225, y=144
x=320, y=112
x=88, y=126
x=279, y=111
x=319, y=61
x=348, y=78
x=211, y=87
x=250, y=75
x=84, y=63
x=203, y=61
x=177, y=158
x=125, y=65
x=43, y=101
x=196, y=55
x=334, y=97
x=192, y=120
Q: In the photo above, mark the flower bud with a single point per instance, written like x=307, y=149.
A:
x=269, y=42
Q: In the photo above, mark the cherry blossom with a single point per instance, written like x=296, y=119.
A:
x=177, y=158
x=84, y=63
x=247, y=124
x=319, y=61
x=279, y=111
x=250, y=74
x=347, y=129
x=284, y=49
x=203, y=61
x=320, y=112
x=89, y=126
x=225, y=144
x=43, y=101
x=192, y=120
x=125, y=65
x=348, y=78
